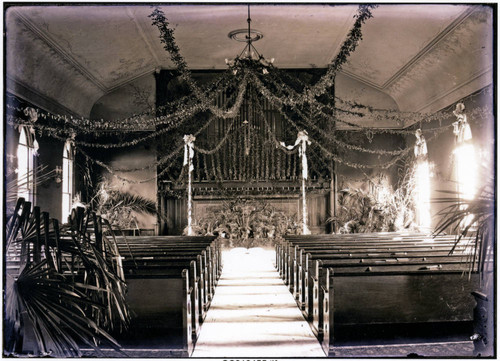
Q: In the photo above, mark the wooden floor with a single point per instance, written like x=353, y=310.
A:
x=253, y=314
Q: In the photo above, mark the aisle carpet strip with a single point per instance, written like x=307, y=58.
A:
x=253, y=314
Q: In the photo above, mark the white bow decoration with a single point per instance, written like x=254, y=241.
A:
x=188, y=157
x=303, y=141
x=189, y=150
x=31, y=113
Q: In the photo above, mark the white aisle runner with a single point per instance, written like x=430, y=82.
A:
x=253, y=314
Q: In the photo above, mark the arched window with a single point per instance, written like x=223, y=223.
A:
x=67, y=180
x=26, y=165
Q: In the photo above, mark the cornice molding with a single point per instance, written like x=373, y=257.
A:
x=345, y=31
x=422, y=53
x=145, y=38
x=487, y=74
x=26, y=92
x=126, y=81
x=46, y=38
x=362, y=80
x=429, y=47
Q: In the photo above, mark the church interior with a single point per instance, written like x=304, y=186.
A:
x=249, y=180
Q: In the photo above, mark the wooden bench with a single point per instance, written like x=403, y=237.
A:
x=171, y=281
x=349, y=240
x=392, y=297
x=293, y=255
x=368, y=277
x=352, y=242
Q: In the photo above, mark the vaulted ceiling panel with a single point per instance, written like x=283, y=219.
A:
x=395, y=36
x=424, y=56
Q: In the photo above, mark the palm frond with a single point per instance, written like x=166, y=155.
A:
x=56, y=310
x=75, y=294
x=134, y=202
x=471, y=218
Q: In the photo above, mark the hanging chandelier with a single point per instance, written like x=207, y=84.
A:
x=249, y=56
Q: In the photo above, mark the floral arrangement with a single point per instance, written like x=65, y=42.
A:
x=380, y=210
x=246, y=223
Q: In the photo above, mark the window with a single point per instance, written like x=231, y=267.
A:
x=465, y=159
x=422, y=183
x=67, y=180
x=26, y=165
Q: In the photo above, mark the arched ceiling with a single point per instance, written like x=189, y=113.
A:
x=423, y=56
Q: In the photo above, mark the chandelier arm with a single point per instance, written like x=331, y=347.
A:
x=253, y=47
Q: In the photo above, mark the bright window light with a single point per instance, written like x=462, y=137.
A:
x=25, y=167
x=465, y=161
x=422, y=196
x=67, y=180
x=422, y=183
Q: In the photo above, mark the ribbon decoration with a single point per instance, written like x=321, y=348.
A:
x=420, y=148
x=188, y=160
x=189, y=150
x=302, y=141
x=32, y=113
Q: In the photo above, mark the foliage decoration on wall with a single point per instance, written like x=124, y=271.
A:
x=353, y=38
x=302, y=105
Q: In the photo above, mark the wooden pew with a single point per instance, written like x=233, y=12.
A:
x=392, y=297
x=307, y=269
x=352, y=241
x=282, y=249
x=309, y=263
x=293, y=259
x=171, y=281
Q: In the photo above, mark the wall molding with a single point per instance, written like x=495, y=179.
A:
x=26, y=92
x=484, y=78
x=422, y=53
x=123, y=82
x=429, y=47
x=46, y=38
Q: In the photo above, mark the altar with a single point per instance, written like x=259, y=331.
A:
x=210, y=197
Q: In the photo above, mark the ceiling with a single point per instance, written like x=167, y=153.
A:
x=422, y=56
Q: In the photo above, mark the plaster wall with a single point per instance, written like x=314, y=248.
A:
x=133, y=98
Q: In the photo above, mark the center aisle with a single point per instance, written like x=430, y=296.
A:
x=253, y=314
